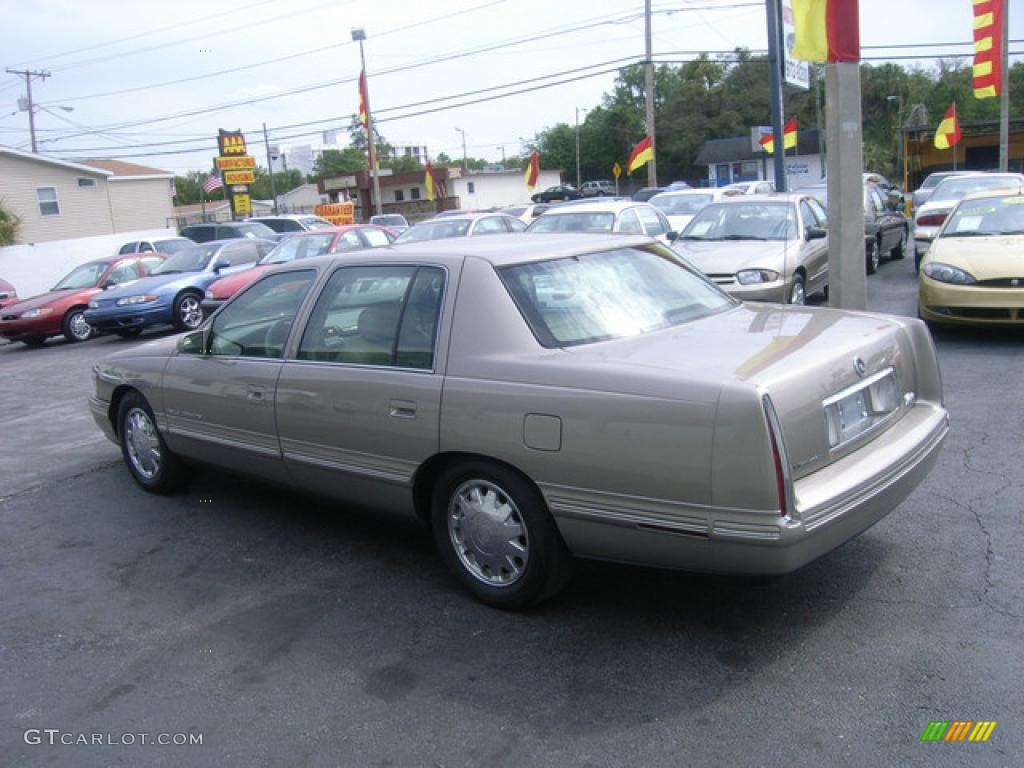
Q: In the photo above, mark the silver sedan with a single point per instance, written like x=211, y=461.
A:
x=535, y=398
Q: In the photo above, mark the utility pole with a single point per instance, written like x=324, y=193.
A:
x=579, y=178
x=652, y=167
x=270, y=167
x=465, y=166
x=28, y=75
x=1004, y=93
x=775, y=86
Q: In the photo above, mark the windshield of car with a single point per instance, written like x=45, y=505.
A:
x=516, y=211
x=191, y=259
x=987, y=216
x=301, y=247
x=171, y=246
x=612, y=294
x=389, y=220
x=315, y=222
x=577, y=221
x=743, y=221
x=437, y=229
x=254, y=229
x=957, y=187
x=85, y=276
x=680, y=205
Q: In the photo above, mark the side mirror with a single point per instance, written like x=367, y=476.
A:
x=108, y=283
x=221, y=265
x=672, y=235
x=193, y=343
x=816, y=233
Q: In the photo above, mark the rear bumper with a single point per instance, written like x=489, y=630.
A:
x=833, y=506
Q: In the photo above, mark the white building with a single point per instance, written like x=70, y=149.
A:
x=734, y=159
x=488, y=189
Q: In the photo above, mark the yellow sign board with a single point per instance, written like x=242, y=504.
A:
x=231, y=143
x=235, y=163
x=616, y=170
x=243, y=204
x=239, y=177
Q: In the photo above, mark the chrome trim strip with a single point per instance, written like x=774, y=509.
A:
x=355, y=469
x=177, y=431
x=592, y=513
x=854, y=388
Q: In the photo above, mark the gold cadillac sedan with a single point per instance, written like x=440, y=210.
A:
x=538, y=397
x=973, y=273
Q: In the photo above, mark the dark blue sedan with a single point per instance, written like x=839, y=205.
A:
x=174, y=290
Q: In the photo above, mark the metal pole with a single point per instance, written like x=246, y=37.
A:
x=1004, y=93
x=465, y=161
x=578, y=177
x=28, y=75
x=652, y=166
x=270, y=167
x=371, y=149
x=846, y=257
x=775, y=66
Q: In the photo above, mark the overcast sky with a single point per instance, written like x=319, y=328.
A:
x=107, y=59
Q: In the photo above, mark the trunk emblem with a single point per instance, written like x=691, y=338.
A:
x=859, y=366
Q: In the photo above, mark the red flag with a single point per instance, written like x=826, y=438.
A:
x=363, y=100
x=988, y=47
x=642, y=154
x=948, y=133
x=826, y=30
x=789, y=136
x=532, y=171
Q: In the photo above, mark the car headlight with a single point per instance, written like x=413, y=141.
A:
x=856, y=410
x=135, y=300
x=755, y=276
x=946, y=273
x=38, y=312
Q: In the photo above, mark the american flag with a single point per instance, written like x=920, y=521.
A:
x=212, y=182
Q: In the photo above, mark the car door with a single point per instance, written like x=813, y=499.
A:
x=888, y=226
x=218, y=390
x=358, y=407
x=813, y=253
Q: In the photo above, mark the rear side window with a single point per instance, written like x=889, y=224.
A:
x=376, y=315
x=651, y=222
x=199, y=233
x=375, y=238
x=127, y=248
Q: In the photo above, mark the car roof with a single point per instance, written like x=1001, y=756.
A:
x=995, y=192
x=604, y=206
x=498, y=250
x=773, y=197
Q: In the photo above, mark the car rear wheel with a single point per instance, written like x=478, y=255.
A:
x=900, y=250
x=188, y=312
x=874, y=258
x=149, y=460
x=797, y=292
x=495, y=533
x=75, y=328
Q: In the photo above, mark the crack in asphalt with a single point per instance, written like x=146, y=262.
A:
x=50, y=482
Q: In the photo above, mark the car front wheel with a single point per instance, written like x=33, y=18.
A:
x=75, y=328
x=900, y=250
x=149, y=460
x=874, y=258
x=797, y=292
x=495, y=533
x=188, y=313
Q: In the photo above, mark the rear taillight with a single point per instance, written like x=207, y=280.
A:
x=783, y=481
x=932, y=220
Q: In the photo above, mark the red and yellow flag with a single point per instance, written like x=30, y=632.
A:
x=363, y=100
x=428, y=181
x=789, y=136
x=988, y=47
x=948, y=133
x=826, y=30
x=532, y=171
x=641, y=155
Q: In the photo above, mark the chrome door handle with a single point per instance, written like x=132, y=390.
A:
x=256, y=394
x=402, y=409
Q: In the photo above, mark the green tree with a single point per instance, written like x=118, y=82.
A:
x=189, y=188
x=338, y=162
x=284, y=181
x=9, y=226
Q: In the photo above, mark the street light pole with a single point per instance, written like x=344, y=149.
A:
x=579, y=178
x=465, y=165
x=359, y=35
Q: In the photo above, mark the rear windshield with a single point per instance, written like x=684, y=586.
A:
x=956, y=187
x=172, y=246
x=437, y=229
x=389, y=220
x=608, y=295
x=300, y=247
x=680, y=205
x=574, y=222
x=191, y=259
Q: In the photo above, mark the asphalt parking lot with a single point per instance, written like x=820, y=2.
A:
x=289, y=632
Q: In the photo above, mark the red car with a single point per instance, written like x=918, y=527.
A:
x=301, y=245
x=58, y=312
x=7, y=294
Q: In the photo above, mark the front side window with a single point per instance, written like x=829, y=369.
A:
x=257, y=323
x=376, y=238
x=349, y=241
x=629, y=222
x=123, y=272
x=611, y=294
x=85, y=276
x=48, y=205
x=236, y=254
x=376, y=315
x=653, y=225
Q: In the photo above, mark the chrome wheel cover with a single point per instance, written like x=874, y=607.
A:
x=190, y=312
x=488, y=533
x=797, y=295
x=142, y=443
x=876, y=256
x=80, y=329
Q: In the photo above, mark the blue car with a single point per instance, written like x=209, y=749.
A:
x=171, y=295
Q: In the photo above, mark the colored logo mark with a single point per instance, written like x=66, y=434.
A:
x=959, y=730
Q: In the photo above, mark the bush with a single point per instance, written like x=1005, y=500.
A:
x=9, y=226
